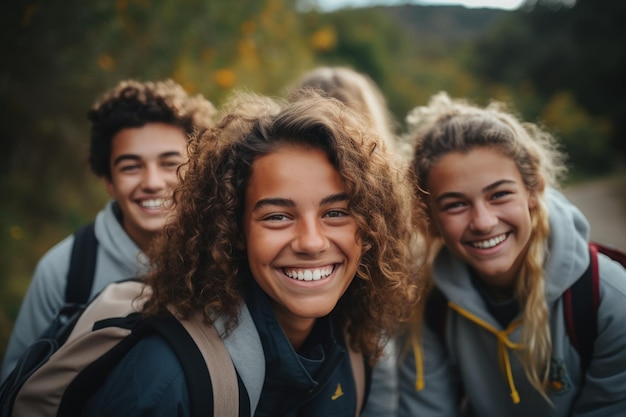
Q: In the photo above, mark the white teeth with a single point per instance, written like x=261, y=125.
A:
x=156, y=203
x=309, y=274
x=486, y=244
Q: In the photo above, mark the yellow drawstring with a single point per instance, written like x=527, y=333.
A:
x=419, y=363
x=503, y=344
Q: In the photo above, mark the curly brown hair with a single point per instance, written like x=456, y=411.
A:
x=198, y=262
x=133, y=104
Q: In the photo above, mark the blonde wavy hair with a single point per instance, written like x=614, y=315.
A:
x=199, y=263
x=355, y=89
x=449, y=125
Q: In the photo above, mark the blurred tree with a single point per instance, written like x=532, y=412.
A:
x=58, y=57
x=558, y=46
x=555, y=63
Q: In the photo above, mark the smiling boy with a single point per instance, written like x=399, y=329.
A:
x=139, y=133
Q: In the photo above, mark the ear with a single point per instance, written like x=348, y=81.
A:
x=532, y=200
x=536, y=192
x=240, y=243
x=110, y=188
x=433, y=229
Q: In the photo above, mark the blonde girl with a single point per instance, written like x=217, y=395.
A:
x=504, y=246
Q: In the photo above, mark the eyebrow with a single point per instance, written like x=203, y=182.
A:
x=487, y=188
x=287, y=202
x=133, y=157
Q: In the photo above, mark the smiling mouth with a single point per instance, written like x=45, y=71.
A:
x=309, y=274
x=489, y=243
x=156, y=203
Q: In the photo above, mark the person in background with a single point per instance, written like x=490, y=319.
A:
x=139, y=138
x=355, y=89
x=285, y=211
x=504, y=246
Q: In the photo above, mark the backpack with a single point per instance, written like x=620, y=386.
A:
x=63, y=368
x=96, y=338
x=580, y=305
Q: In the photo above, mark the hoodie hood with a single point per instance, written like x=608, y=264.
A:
x=119, y=249
x=568, y=246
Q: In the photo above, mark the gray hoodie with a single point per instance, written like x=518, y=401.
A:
x=480, y=354
x=118, y=258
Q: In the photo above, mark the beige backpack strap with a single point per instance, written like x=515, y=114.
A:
x=358, y=372
x=219, y=363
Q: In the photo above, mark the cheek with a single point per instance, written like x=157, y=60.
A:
x=350, y=240
x=171, y=177
x=263, y=245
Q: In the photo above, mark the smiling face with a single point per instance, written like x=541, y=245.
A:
x=299, y=235
x=144, y=162
x=481, y=208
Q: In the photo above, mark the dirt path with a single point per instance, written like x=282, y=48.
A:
x=604, y=204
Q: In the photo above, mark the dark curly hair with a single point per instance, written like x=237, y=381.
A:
x=133, y=104
x=198, y=262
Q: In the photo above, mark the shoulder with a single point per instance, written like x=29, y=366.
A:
x=612, y=277
x=149, y=380
x=612, y=299
x=57, y=257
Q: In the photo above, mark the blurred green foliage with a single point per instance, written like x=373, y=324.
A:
x=559, y=66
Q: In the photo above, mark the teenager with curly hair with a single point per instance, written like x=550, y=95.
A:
x=139, y=138
x=505, y=246
x=286, y=213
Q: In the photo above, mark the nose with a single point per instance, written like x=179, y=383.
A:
x=310, y=237
x=483, y=219
x=153, y=179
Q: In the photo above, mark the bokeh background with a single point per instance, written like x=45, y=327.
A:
x=560, y=62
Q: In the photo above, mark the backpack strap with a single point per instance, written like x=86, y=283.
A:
x=220, y=367
x=580, y=308
x=82, y=265
x=246, y=351
x=193, y=342
x=611, y=251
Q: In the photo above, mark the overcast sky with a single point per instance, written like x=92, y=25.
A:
x=498, y=4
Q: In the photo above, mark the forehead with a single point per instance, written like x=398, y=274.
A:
x=294, y=170
x=471, y=170
x=149, y=139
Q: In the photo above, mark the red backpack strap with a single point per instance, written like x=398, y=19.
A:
x=612, y=252
x=580, y=308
